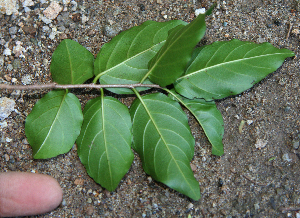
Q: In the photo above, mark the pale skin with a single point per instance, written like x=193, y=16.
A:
x=24, y=194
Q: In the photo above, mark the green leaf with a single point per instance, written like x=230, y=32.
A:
x=163, y=139
x=171, y=60
x=54, y=124
x=104, y=145
x=71, y=63
x=124, y=60
x=208, y=116
x=229, y=68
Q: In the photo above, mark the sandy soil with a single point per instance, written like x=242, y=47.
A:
x=244, y=182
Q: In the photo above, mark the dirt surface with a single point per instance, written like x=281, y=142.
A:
x=259, y=174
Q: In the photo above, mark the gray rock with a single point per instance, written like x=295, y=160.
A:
x=112, y=31
x=13, y=30
x=296, y=144
x=26, y=80
x=7, y=105
x=286, y=157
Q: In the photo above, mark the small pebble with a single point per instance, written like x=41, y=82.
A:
x=7, y=105
x=52, y=11
x=194, y=167
x=64, y=203
x=296, y=144
x=26, y=80
x=79, y=181
x=260, y=143
x=12, y=30
x=6, y=156
x=7, y=52
x=16, y=64
x=89, y=200
x=199, y=11
x=286, y=157
x=8, y=7
x=111, y=31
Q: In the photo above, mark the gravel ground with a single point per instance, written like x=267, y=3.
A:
x=259, y=174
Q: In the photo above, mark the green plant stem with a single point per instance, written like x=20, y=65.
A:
x=75, y=86
x=168, y=91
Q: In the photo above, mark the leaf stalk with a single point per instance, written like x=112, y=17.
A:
x=75, y=86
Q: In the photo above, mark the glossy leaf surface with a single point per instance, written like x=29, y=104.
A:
x=124, y=60
x=163, y=139
x=229, y=68
x=104, y=145
x=71, y=63
x=208, y=116
x=171, y=60
x=54, y=124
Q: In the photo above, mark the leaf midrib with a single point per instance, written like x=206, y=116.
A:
x=56, y=117
x=129, y=59
x=161, y=136
x=105, y=141
x=169, y=47
x=70, y=61
x=225, y=63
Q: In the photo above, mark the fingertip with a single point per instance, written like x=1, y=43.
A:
x=24, y=194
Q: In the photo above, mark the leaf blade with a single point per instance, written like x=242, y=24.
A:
x=170, y=62
x=71, y=63
x=229, y=68
x=163, y=140
x=208, y=116
x=53, y=124
x=124, y=59
x=104, y=145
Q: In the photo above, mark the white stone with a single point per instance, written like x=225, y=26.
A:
x=26, y=9
x=260, y=143
x=18, y=50
x=66, y=2
x=7, y=105
x=3, y=124
x=27, y=3
x=52, y=11
x=7, y=52
x=45, y=28
x=10, y=67
x=199, y=11
x=84, y=19
x=45, y=19
x=249, y=122
x=8, y=7
x=26, y=80
x=286, y=157
x=74, y=5
x=2, y=42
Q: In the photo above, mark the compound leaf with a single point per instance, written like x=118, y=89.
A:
x=171, y=60
x=163, y=139
x=208, y=116
x=229, y=68
x=54, y=124
x=71, y=63
x=104, y=145
x=124, y=60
